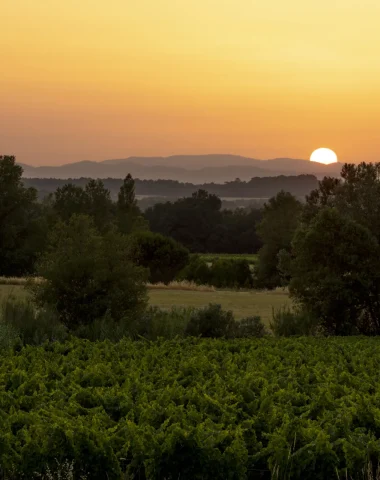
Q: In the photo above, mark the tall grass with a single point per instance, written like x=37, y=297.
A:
x=287, y=322
x=21, y=322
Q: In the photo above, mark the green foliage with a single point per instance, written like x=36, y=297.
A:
x=220, y=274
x=157, y=323
x=88, y=276
x=195, y=408
x=251, y=327
x=22, y=228
x=276, y=230
x=212, y=322
x=163, y=256
x=129, y=218
x=196, y=271
x=334, y=273
x=288, y=322
x=28, y=324
x=231, y=274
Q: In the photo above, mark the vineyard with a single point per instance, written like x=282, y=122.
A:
x=305, y=408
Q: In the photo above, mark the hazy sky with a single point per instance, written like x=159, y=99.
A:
x=97, y=79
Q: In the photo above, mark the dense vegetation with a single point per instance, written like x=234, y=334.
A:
x=199, y=223
x=286, y=409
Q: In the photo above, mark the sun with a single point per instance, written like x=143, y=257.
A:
x=324, y=155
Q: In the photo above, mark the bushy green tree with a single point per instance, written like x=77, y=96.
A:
x=99, y=205
x=22, y=226
x=276, y=230
x=87, y=276
x=335, y=273
x=93, y=200
x=356, y=195
x=163, y=256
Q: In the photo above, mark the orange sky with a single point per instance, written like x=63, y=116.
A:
x=97, y=79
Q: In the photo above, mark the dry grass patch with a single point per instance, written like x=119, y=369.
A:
x=184, y=285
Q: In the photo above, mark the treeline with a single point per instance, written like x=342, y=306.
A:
x=31, y=229
x=257, y=187
x=326, y=250
x=199, y=223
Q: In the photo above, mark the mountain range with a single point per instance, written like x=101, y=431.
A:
x=216, y=168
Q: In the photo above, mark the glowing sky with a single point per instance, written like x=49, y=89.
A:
x=97, y=79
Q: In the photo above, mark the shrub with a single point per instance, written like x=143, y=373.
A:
x=22, y=320
x=251, y=327
x=231, y=274
x=196, y=271
x=212, y=322
x=287, y=323
x=223, y=273
x=88, y=276
x=164, y=257
x=157, y=323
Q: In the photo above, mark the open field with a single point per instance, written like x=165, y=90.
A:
x=243, y=304
x=210, y=257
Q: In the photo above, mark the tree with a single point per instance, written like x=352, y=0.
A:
x=192, y=221
x=335, y=274
x=70, y=200
x=94, y=200
x=356, y=194
x=87, y=276
x=163, y=256
x=99, y=205
x=129, y=217
x=276, y=230
x=22, y=231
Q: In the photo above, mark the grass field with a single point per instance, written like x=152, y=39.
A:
x=243, y=304
x=210, y=257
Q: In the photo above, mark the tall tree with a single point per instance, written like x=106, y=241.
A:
x=99, y=204
x=276, y=230
x=70, y=200
x=129, y=217
x=21, y=222
x=335, y=273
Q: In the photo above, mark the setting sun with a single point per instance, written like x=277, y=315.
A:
x=324, y=155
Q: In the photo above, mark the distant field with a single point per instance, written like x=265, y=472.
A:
x=211, y=257
x=243, y=304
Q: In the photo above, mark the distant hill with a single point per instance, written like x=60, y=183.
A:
x=197, y=169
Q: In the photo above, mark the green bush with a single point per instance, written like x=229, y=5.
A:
x=231, y=274
x=196, y=271
x=287, y=323
x=163, y=256
x=157, y=323
x=211, y=322
x=251, y=327
x=22, y=320
x=222, y=273
x=88, y=276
